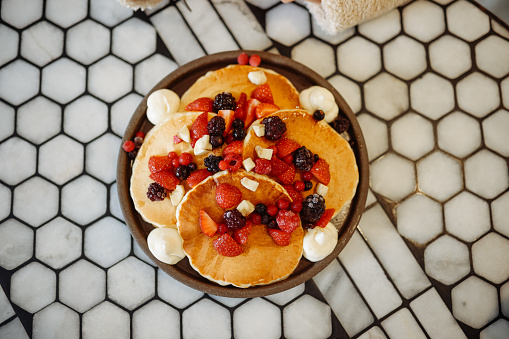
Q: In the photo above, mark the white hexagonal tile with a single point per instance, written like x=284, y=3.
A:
x=478, y=95
x=122, y=111
x=63, y=80
x=393, y=176
x=436, y=87
x=459, y=134
x=81, y=192
x=14, y=152
x=307, y=317
x=423, y=20
x=58, y=243
x=86, y=118
x=39, y=119
x=21, y=13
x=439, y=176
x=134, y=40
x=474, y=302
x=230, y=302
x=5, y=195
x=500, y=214
x=488, y=257
x=42, y=43
x=150, y=71
x=492, y=56
x=467, y=216
x=87, y=42
x=264, y=4
x=66, y=13
x=99, y=155
x=114, y=205
x=109, y=13
x=110, y=78
x=504, y=298
x=14, y=329
x=495, y=129
x=382, y=28
x=447, y=260
x=138, y=253
x=16, y=244
x=107, y=242
x=7, y=126
x=504, y=86
x=359, y=59
x=156, y=320
x=287, y=23
x=486, y=174
x=375, y=135
x=386, y=96
x=404, y=57
x=412, y=136
x=214, y=319
x=349, y=90
x=419, y=219
x=33, y=287
x=316, y=55
x=499, y=329
x=10, y=41
x=284, y=297
x=106, y=321
x=174, y=292
x=84, y=277
x=19, y=81
x=266, y=325
x=467, y=21
x=61, y=159
x=56, y=321
x=6, y=308
x=35, y=201
x=450, y=56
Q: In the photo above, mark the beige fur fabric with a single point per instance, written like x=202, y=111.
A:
x=337, y=15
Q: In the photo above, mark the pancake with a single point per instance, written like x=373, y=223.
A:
x=320, y=139
x=263, y=261
x=159, y=141
x=234, y=79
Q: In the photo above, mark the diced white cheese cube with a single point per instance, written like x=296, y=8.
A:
x=322, y=189
x=177, y=195
x=184, y=134
x=248, y=164
x=203, y=145
x=259, y=129
x=263, y=153
x=246, y=208
x=249, y=184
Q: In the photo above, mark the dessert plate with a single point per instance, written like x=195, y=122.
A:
x=179, y=81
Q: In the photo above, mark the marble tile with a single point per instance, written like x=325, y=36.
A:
x=87, y=42
x=230, y=302
x=382, y=28
x=13, y=330
x=373, y=333
x=5, y=195
x=122, y=111
x=432, y=86
x=215, y=321
x=467, y=216
x=6, y=310
x=63, y=80
x=66, y=13
x=39, y=120
x=264, y=4
x=307, y=318
x=56, y=321
x=106, y=321
x=492, y=56
x=110, y=78
x=404, y=57
x=257, y=319
x=33, y=287
x=19, y=81
x=447, y=260
x=402, y=325
x=174, y=292
x=42, y=43
x=386, y=96
x=10, y=39
x=486, y=174
x=504, y=86
x=138, y=253
x=487, y=254
x=156, y=320
x=83, y=200
x=467, y=21
x=7, y=126
x=423, y=20
x=477, y=94
x=504, y=299
x=21, y=13
x=16, y=244
x=375, y=134
x=494, y=128
x=359, y=59
x=371, y=199
x=316, y=55
x=58, y=243
x=499, y=329
x=133, y=40
x=459, y=134
x=114, y=203
x=100, y=155
x=150, y=71
x=61, y=159
x=500, y=214
x=109, y=13
x=333, y=39
x=393, y=176
x=287, y=23
x=85, y=118
x=16, y=151
x=349, y=90
x=439, y=176
x=450, y=56
x=285, y=297
x=412, y=136
x=35, y=201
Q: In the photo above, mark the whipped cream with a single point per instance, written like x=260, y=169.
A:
x=257, y=77
x=319, y=98
x=160, y=104
x=320, y=242
x=166, y=245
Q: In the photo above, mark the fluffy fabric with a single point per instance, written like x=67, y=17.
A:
x=337, y=15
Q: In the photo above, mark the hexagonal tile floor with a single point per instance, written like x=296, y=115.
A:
x=429, y=82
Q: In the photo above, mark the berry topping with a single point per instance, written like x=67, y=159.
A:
x=318, y=115
x=129, y=146
x=235, y=147
x=261, y=208
x=292, y=192
x=265, y=219
x=207, y=225
x=196, y=177
x=255, y=218
x=286, y=146
x=288, y=159
x=234, y=219
x=222, y=229
x=321, y=171
x=192, y=166
x=264, y=109
x=216, y=126
x=140, y=134
x=272, y=224
x=255, y=60
x=251, y=105
x=182, y=172
x=313, y=207
x=316, y=157
x=175, y=162
x=308, y=185
x=299, y=185
x=277, y=167
x=216, y=141
x=156, y=192
x=272, y=210
x=263, y=93
x=226, y=246
x=287, y=221
x=185, y=159
x=240, y=236
x=176, y=139
x=238, y=123
x=231, y=162
x=281, y=238
x=274, y=128
x=262, y=166
x=172, y=155
x=200, y=104
x=240, y=109
x=307, y=176
x=239, y=133
x=138, y=141
x=228, y=115
x=228, y=196
x=199, y=126
x=132, y=155
x=303, y=158
x=166, y=179
x=159, y=163
x=212, y=163
x=224, y=100
x=325, y=218
x=340, y=124
x=242, y=59
x=296, y=206
x=288, y=176
x=283, y=204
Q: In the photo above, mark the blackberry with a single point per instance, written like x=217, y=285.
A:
x=303, y=158
x=340, y=124
x=182, y=172
x=156, y=192
x=132, y=154
x=216, y=141
x=224, y=100
x=313, y=207
x=318, y=115
x=212, y=163
x=260, y=208
x=238, y=123
x=216, y=126
x=234, y=219
x=192, y=166
x=308, y=185
x=274, y=127
x=239, y=134
x=308, y=226
x=272, y=224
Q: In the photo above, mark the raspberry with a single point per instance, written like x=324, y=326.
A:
x=313, y=207
x=216, y=126
x=156, y=192
x=233, y=162
x=129, y=146
x=262, y=166
x=274, y=127
x=288, y=221
x=303, y=158
x=212, y=163
x=224, y=101
x=234, y=219
x=185, y=159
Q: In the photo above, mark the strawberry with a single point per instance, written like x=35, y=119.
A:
x=176, y=139
x=240, y=236
x=228, y=116
x=251, y=111
x=158, y=163
x=277, y=166
x=207, y=225
x=226, y=246
x=288, y=176
x=321, y=171
x=199, y=126
x=287, y=220
x=166, y=179
x=240, y=109
x=201, y=104
x=293, y=193
x=228, y=196
x=222, y=228
x=234, y=147
x=325, y=218
x=197, y=176
x=263, y=93
x=262, y=166
x=286, y=146
x=281, y=238
x=265, y=109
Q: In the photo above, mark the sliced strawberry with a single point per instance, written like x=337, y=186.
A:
x=293, y=193
x=325, y=218
x=240, y=236
x=199, y=126
x=158, y=163
x=287, y=220
x=288, y=176
x=197, y=176
x=321, y=171
x=251, y=111
x=281, y=238
x=226, y=246
x=286, y=146
x=201, y=104
x=265, y=109
x=222, y=228
x=235, y=147
x=228, y=196
x=176, y=139
x=277, y=167
x=166, y=179
x=228, y=116
x=263, y=93
x=240, y=109
x=207, y=225
x=262, y=166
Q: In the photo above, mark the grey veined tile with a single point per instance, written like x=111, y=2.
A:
x=375, y=134
x=477, y=94
x=307, y=317
x=349, y=90
x=35, y=201
x=86, y=118
x=174, y=292
x=423, y=20
x=412, y=136
x=316, y=55
x=450, y=56
x=87, y=42
x=467, y=216
x=16, y=244
x=486, y=174
x=18, y=160
x=487, y=254
x=266, y=323
x=6, y=310
x=33, y=287
x=492, y=56
x=495, y=136
x=215, y=319
x=287, y=23
x=39, y=119
x=110, y=78
x=8, y=120
x=42, y=43
x=447, y=260
x=467, y=21
x=21, y=13
x=382, y=28
x=83, y=200
x=359, y=58
x=393, y=176
x=61, y=159
x=439, y=176
x=133, y=40
x=63, y=80
x=386, y=96
x=156, y=320
x=13, y=329
x=66, y=13
x=56, y=321
x=150, y=71
x=106, y=321
x=404, y=57
x=10, y=39
x=459, y=134
x=402, y=324
x=499, y=329
x=432, y=86
x=500, y=214
x=100, y=153
x=19, y=81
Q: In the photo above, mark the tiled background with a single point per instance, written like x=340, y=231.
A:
x=429, y=84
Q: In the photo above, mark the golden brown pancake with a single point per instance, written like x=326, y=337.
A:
x=320, y=139
x=263, y=261
x=234, y=79
x=159, y=141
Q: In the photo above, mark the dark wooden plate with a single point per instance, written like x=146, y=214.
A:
x=179, y=81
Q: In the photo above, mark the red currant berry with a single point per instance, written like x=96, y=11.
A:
x=175, y=162
x=129, y=146
x=185, y=159
x=243, y=59
x=255, y=218
x=272, y=210
x=140, y=134
x=296, y=207
x=223, y=165
x=274, y=149
x=283, y=204
x=172, y=155
x=229, y=139
x=299, y=185
x=307, y=175
x=255, y=60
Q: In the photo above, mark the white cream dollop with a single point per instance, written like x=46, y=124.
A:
x=257, y=77
x=160, y=104
x=319, y=98
x=165, y=244
x=320, y=242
